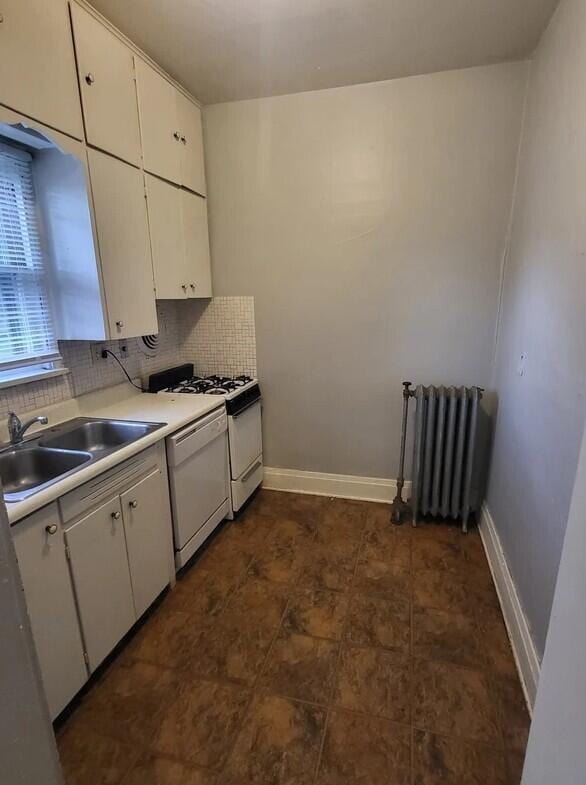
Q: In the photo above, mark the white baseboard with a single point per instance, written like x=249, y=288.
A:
x=524, y=649
x=346, y=486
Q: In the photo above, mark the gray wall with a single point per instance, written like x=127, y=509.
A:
x=369, y=223
x=540, y=414
x=556, y=752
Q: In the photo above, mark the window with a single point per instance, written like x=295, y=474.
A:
x=28, y=346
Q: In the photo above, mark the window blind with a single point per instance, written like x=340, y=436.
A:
x=27, y=335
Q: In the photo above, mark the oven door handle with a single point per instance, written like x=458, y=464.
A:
x=245, y=408
x=251, y=471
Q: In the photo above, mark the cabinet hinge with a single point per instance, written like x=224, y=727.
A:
x=86, y=658
x=67, y=553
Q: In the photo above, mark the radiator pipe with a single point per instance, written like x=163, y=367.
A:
x=400, y=508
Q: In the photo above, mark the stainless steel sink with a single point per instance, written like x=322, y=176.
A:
x=28, y=467
x=54, y=453
x=99, y=435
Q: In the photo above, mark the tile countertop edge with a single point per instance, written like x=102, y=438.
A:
x=117, y=403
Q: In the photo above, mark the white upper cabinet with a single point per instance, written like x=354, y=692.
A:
x=123, y=242
x=172, y=142
x=179, y=241
x=166, y=228
x=190, y=129
x=106, y=80
x=37, y=64
x=197, y=247
x=161, y=139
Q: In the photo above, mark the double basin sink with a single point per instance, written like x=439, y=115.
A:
x=54, y=453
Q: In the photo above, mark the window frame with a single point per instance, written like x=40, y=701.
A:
x=33, y=368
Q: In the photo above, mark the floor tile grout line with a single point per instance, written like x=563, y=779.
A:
x=341, y=646
x=290, y=589
x=253, y=692
x=334, y=680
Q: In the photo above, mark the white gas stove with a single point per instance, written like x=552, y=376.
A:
x=243, y=407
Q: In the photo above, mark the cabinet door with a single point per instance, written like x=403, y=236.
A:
x=37, y=63
x=148, y=554
x=192, y=160
x=197, y=246
x=101, y=579
x=123, y=241
x=108, y=90
x=166, y=228
x=161, y=139
x=40, y=549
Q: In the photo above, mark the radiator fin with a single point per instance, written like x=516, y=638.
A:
x=445, y=448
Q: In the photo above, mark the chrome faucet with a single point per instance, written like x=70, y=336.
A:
x=17, y=429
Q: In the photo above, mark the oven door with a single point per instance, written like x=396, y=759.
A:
x=245, y=437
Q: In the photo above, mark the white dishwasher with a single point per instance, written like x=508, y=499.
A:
x=199, y=475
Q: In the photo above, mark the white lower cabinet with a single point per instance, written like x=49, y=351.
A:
x=119, y=551
x=40, y=549
x=144, y=516
x=101, y=579
x=91, y=564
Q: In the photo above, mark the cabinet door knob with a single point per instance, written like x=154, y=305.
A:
x=115, y=515
x=133, y=504
x=184, y=140
x=184, y=287
x=192, y=286
x=176, y=135
x=90, y=78
x=1, y=18
x=119, y=325
x=51, y=528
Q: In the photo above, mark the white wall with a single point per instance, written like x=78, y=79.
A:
x=556, y=752
x=369, y=223
x=541, y=413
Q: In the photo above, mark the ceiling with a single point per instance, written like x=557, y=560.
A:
x=225, y=50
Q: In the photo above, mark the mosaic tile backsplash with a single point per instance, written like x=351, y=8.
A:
x=222, y=338
x=216, y=335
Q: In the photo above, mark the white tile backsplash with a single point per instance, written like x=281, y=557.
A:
x=222, y=339
x=217, y=335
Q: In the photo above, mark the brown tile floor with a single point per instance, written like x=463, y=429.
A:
x=311, y=642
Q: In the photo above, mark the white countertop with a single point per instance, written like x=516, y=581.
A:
x=122, y=402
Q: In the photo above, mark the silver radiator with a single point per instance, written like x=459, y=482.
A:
x=445, y=447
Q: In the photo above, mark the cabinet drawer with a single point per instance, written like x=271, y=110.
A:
x=110, y=483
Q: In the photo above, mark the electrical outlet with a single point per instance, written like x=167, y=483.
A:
x=123, y=349
x=97, y=349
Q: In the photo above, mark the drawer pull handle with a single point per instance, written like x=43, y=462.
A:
x=133, y=504
x=51, y=528
x=251, y=471
x=115, y=515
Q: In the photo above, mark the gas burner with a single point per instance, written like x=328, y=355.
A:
x=214, y=384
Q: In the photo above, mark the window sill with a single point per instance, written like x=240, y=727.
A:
x=34, y=376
